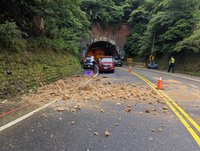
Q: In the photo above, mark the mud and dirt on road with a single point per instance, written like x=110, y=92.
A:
x=77, y=90
x=99, y=89
x=112, y=109
x=186, y=95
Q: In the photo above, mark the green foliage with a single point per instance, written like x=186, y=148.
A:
x=105, y=12
x=11, y=37
x=182, y=28
x=163, y=26
x=65, y=24
x=191, y=43
x=159, y=26
x=139, y=15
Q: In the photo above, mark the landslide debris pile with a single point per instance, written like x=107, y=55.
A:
x=99, y=89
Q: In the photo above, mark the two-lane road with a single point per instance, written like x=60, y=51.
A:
x=145, y=128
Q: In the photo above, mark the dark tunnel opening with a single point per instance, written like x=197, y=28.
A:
x=102, y=48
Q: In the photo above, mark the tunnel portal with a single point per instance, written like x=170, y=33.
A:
x=102, y=48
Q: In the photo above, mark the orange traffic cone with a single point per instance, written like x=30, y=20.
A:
x=160, y=85
x=129, y=69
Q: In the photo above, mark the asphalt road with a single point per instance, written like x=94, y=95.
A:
x=49, y=130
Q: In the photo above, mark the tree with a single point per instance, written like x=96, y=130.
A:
x=168, y=22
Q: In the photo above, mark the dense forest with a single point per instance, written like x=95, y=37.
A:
x=159, y=26
x=43, y=24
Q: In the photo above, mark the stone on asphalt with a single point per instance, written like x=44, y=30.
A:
x=147, y=111
x=96, y=133
x=128, y=109
x=107, y=133
x=60, y=109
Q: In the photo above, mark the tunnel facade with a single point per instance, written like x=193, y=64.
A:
x=102, y=47
x=109, y=41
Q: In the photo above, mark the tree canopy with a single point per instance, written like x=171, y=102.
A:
x=163, y=26
x=63, y=20
x=159, y=26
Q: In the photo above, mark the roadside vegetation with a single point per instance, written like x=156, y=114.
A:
x=39, y=42
x=165, y=25
x=49, y=24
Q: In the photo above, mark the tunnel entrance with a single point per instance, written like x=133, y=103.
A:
x=102, y=48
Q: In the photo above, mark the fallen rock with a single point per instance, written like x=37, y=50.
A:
x=137, y=96
x=107, y=133
x=118, y=104
x=126, y=97
x=60, y=109
x=73, y=122
x=96, y=107
x=86, y=87
x=161, y=102
x=96, y=133
x=44, y=115
x=109, y=82
x=73, y=110
x=141, y=113
x=147, y=111
x=128, y=109
x=150, y=103
x=102, y=111
x=165, y=108
x=78, y=107
x=153, y=92
x=66, y=97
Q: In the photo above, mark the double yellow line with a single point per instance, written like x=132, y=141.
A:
x=185, y=119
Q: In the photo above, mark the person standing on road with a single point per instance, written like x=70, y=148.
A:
x=171, y=64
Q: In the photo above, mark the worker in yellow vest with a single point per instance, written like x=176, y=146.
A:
x=171, y=64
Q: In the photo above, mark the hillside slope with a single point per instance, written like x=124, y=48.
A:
x=25, y=71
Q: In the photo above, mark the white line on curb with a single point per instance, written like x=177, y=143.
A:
x=25, y=116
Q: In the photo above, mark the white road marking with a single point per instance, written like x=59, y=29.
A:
x=35, y=111
x=25, y=116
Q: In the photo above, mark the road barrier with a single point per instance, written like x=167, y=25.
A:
x=160, y=84
x=130, y=69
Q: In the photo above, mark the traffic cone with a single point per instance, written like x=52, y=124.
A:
x=129, y=69
x=160, y=85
